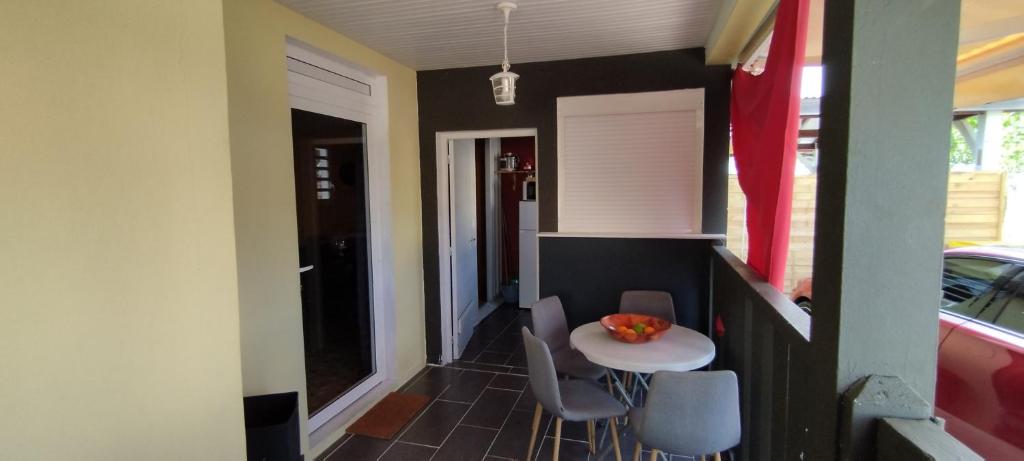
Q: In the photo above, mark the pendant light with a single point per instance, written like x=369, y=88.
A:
x=504, y=82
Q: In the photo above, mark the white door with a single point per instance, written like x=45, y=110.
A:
x=323, y=86
x=465, y=296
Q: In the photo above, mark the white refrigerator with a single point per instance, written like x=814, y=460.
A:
x=529, y=279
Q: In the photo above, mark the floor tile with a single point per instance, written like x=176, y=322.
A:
x=474, y=348
x=468, y=386
x=463, y=365
x=432, y=381
x=527, y=402
x=508, y=342
x=520, y=371
x=569, y=450
x=435, y=423
x=431, y=389
x=518, y=358
x=322, y=456
x=571, y=430
x=407, y=452
x=512, y=382
x=491, y=408
x=466, y=443
x=359, y=447
x=440, y=374
x=514, y=437
x=493, y=358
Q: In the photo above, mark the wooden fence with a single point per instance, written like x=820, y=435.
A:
x=974, y=213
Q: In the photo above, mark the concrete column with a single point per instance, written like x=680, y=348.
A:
x=992, y=147
x=888, y=92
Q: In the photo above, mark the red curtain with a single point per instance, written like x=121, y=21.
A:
x=765, y=124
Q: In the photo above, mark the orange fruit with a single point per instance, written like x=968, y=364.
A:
x=648, y=330
x=629, y=332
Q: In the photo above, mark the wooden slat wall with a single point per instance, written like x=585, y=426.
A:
x=766, y=342
x=974, y=213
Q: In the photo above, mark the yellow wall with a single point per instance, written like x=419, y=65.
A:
x=271, y=326
x=118, y=302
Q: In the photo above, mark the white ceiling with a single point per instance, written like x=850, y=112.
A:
x=439, y=34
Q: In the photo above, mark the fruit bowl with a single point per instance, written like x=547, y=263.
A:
x=635, y=328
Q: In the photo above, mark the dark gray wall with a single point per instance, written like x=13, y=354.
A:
x=460, y=99
x=589, y=274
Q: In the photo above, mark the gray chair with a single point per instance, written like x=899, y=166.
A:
x=654, y=303
x=568, y=400
x=551, y=327
x=693, y=413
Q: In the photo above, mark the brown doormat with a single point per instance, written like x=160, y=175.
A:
x=389, y=416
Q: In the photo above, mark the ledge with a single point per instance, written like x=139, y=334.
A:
x=613, y=235
x=787, y=312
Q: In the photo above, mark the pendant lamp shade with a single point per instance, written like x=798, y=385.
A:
x=504, y=83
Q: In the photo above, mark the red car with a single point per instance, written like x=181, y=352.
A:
x=980, y=388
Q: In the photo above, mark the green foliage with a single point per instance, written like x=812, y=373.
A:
x=1013, y=142
x=960, y=152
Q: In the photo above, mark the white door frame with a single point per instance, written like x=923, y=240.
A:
x=308, y=93
x=446, y=278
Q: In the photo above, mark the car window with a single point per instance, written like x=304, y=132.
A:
x=1011, y=316
x=964, y=280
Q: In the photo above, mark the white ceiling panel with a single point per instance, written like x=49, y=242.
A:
x=439, y=34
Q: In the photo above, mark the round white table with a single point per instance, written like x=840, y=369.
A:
x=680, y=349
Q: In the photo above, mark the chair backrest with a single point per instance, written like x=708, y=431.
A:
x=549, y=323
x=543, y=377
x=692, y=413
x=656, y=303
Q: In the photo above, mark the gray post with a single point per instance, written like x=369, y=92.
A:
x=882, y=180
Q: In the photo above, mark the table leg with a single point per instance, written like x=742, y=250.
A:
x=621, y=389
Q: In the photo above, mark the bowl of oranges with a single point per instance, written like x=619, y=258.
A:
x=635, y=328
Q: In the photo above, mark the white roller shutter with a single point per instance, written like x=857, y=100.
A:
x=631, y=163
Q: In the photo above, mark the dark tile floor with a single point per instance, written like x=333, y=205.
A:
x=482, y=408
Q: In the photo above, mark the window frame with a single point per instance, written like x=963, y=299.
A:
x=987, y=315
x=1014, y=286
x=996, y=285
x=691, y=99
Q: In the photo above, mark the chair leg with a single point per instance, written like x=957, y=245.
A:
x=558, y=438
x=654, y=454
x=615, y=439
x=636, y=452
x=611, y=390
x=718, y=456
x=536, y=425
x=591, y=436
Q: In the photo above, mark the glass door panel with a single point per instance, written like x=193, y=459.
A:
x=333, y=228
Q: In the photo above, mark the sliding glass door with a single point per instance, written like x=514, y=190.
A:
x=331, y=207
x=339, y=134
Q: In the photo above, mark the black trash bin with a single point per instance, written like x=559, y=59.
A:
x=272, y=427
